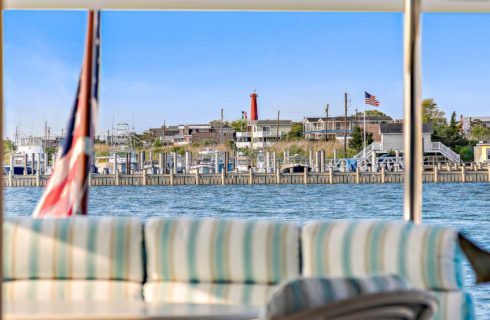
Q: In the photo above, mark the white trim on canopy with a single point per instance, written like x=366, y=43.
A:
x=469, y=6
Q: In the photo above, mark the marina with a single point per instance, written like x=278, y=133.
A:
x=461, y=174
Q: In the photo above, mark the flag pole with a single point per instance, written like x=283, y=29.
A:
x=86, y=114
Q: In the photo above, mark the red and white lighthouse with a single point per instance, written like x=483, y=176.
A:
x=253, y=106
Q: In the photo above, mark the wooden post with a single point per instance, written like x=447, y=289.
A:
x=223, y=176
x=33, y=164
x=90, y=178
x=197, y=177
x=330, y=175
x=45, y=163
x=145, y=177
x=278, y=176
x=463, y=173
x=11, y=163
x=25, y=164
x=38, y=178
x=448, y=166
x=436, y=174
x=172, y=178
x=250, y=176
x=118, y=178
x=358, y=174
x=11, y=178
x=174, y=158
x=305, y=175
x=488, y=170
x=374, y=162
x=383, y=173
x=115, y=162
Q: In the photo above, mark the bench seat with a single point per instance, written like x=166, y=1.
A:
x=255, y=295
x=71, y=290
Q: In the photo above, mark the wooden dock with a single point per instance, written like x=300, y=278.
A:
x=251, y=178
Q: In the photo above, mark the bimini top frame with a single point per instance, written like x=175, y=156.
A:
x=475, y=6
x=412, y=52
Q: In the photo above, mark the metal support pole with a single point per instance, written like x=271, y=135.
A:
x=412, y=210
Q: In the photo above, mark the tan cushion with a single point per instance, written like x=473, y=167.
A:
x=71, y=290
x=181, y=292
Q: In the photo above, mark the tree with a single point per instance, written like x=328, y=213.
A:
x=239, y=125
x=296, y=131
x=372, y=113
x=432, y=114
x=357, y=140
x=480, y=132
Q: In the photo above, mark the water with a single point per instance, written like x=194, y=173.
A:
x=465, y=207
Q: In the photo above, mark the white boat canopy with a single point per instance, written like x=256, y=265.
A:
x=412, y=51
x=475, y=6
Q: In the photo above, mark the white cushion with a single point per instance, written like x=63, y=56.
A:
x=96, y=248
x=211, y=250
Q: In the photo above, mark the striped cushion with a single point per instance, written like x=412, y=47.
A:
x=454, y=305
x=255, y=295
x=308, y=293
x=209, y=250
x=71, y=290
x=428, y=256
x=73, y=248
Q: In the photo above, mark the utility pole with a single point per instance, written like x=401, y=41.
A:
x=326, y=122
x=345, y=125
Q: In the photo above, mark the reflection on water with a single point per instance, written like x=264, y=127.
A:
x=462, y=206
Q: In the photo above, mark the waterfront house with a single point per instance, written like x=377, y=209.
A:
x=263, y=133
x=469, y=121
x=315, y=128
x=482, y=153
x=194, y=133
x=390, y=144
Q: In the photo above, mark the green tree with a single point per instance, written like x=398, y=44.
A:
x=480, y=132
x=372, y=113
x=8, y=146
x=296, y=131
x=357, y=140
x=239, y=125
x=432, y=114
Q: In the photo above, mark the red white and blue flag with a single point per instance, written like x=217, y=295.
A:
x=370, y=99
x=66, y=192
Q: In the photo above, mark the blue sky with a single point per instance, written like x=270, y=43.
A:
x=183, y=67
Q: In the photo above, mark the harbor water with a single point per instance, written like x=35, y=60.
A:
x=464, y=207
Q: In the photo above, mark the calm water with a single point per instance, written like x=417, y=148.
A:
x=462, y=206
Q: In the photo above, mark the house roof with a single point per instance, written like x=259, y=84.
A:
x=349, y=118
x=398, y=128
x=270, y=122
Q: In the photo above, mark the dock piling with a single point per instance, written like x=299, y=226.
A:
x=436, y=174
x=463, y=173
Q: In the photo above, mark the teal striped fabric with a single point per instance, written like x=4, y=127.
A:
x=304, y=294
x=427, y=256
x=454, y=305
x=255, y=295
x=71, y=290
x=211, y=250
x=73, y=248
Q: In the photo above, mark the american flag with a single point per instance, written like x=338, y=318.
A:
x=66, y=192
x=244, y=115
x=369, y=99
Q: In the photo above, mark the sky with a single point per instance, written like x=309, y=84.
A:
x=183, y=67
